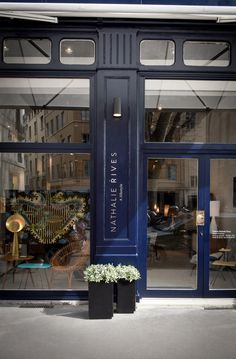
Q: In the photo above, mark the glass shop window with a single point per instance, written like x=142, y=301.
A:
x=61, y=104
x=77, y=52
x=27, y=51
x=190, y=111
x=44, y=221
x=157, y=52
x=206, y=53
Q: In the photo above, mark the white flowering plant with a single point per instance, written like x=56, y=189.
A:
x=127, y=272
x=101, y=273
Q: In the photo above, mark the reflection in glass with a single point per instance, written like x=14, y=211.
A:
x=23, y=120
x=52, y=192
x=44, y=92
x=52, y=126
x=206, y=53
x=190, y=111
x=77, y=52
x=222, y=263
x=27, y=51
x=171, y=231
x=157, y=52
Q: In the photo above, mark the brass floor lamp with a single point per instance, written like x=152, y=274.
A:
x=15, y=224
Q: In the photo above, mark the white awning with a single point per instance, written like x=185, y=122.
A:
x=50, y=12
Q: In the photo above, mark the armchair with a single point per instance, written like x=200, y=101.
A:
x=69, y=259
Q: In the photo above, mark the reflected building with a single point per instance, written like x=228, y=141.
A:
x=12, y=165
x=57, y=171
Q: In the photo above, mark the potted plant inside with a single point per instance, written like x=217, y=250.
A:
x=100, y=278
x=127, y=275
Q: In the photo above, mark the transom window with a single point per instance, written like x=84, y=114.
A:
x=157, y=52
x=77, y=52
x=27, y=51
x=190, y=111
x=206, y=53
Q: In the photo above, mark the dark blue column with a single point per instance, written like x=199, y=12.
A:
x=116, y=170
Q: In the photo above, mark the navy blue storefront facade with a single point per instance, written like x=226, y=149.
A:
x=154, y=173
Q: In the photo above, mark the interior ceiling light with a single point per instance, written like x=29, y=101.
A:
x=69, y=51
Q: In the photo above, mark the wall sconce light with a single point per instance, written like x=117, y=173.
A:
x=117, y=107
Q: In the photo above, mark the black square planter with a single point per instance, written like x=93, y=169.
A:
x=126, y=299
x=100, y=300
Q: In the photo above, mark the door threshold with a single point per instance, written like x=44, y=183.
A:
x=205, y=303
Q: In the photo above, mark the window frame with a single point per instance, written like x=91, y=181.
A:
x=74, y=40
x=207, y=41
x=27, y=63
x=163, y=64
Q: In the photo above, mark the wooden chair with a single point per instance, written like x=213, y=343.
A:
x=221, y=265
x=70, y=258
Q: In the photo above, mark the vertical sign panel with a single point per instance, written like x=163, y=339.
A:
x=116, y=161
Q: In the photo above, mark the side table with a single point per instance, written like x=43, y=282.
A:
x=12, y=262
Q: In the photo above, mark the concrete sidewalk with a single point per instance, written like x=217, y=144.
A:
x=154, y=331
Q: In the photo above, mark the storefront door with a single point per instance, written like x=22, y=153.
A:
x=189, y=188
x=190, y=247
x=222, y=229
